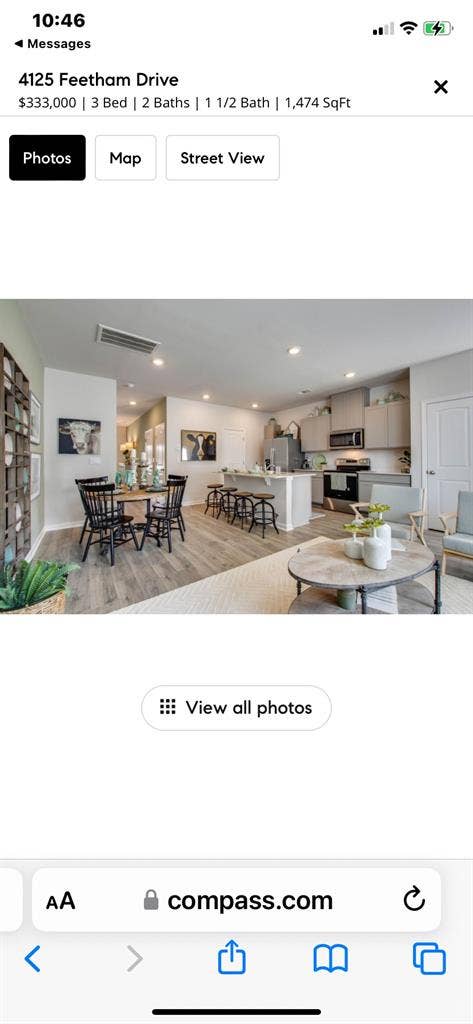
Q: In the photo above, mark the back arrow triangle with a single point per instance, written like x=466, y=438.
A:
x=29, y=958
x=19, y=42
x=136, y=961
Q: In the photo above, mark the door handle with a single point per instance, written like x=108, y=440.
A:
x=431, y=472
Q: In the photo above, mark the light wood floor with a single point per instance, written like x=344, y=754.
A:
x=210, y=547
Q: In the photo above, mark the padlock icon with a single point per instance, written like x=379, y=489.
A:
x=151, y=901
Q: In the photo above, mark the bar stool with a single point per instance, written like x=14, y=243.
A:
x=227, y=502
x=264, y=513
x=243, y=508
x=214, y=498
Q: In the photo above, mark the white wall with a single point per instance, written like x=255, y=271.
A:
x=78, y=396
x=183, y=414
x=436, y=379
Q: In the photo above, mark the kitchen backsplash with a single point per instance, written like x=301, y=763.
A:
x=381, y=461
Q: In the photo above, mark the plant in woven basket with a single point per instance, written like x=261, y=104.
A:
x=32, y=582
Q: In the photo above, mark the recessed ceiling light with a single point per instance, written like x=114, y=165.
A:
x=304, y=391
x=158, y=362
x=206, y=397
x=254, y=405
x=350, y=374
x=294, y=350
x=132, y=403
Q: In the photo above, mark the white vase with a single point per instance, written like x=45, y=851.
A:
x=353, y=547
x=374, y=553
x=384, y=534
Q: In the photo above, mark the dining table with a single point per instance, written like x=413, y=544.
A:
x=123, y=497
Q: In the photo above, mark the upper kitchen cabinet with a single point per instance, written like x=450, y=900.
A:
x=388, y=426
x=315, y=434
x=348, y=409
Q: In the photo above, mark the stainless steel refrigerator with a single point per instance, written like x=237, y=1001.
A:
x=284, y=452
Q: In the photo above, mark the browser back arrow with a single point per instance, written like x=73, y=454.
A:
x=137, y=960
x=29, y=959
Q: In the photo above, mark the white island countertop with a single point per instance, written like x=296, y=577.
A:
x=292, y=493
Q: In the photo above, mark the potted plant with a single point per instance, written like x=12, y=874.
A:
x=384, y=530
x=34, y=588
x=353, y=547
x=374, y=548
x=405, y=460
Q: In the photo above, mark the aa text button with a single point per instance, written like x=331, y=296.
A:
x=222, y=157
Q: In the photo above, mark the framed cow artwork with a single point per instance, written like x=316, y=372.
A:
x=198, y=446
x=79, y=437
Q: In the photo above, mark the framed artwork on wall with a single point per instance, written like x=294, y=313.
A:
x=198, y=446
x=79, y=437
x=35, y=419
x=35, y=476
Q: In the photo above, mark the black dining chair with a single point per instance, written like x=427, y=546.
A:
x=168, y=516
x=88, y=480
x=113, y=528
x=172, y=478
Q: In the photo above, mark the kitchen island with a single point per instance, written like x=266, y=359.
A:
x=292, y=493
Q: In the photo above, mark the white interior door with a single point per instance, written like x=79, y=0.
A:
x=448, y=452
x=234, y=447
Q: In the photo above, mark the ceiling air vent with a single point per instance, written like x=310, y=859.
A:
x=123, y=340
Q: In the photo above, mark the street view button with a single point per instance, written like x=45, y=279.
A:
x=222, y=157
x=47, y=157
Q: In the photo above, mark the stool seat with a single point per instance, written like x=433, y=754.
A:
x=243, y=494
x=229, y=490
x=264, y=513
x=214, y=498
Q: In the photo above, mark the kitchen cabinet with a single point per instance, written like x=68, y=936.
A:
x=399, y=424
x=315, y=434
x=366, y=481
x=388, y=426
x=318, y=489
x=348, y=409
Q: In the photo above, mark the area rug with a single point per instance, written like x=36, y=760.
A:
x=264, y=587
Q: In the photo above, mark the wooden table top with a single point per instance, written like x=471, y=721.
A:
x=327, y=565
x=139, y=495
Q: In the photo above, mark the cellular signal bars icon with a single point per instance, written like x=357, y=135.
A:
x=384, y=30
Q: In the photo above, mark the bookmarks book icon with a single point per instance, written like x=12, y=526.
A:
x=330, y=958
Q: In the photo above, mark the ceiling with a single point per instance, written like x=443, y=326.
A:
x=236, y=351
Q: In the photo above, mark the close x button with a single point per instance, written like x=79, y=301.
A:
x=47, y=157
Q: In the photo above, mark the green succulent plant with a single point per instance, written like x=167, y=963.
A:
x=32, y=582
x=373, y=522
x=357, y=526
x=379, y=508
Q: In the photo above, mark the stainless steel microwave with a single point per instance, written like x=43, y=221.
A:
x=347, y=439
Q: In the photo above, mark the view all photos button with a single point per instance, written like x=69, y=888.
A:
x=47, y=157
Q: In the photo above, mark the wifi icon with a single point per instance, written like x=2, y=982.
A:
x=408, y=27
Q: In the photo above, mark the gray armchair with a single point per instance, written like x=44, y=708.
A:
x=458, y=537
x=406, y=515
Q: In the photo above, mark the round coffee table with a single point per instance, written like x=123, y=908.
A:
x=326, y=566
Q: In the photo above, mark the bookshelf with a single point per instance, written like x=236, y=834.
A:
x=15, y=466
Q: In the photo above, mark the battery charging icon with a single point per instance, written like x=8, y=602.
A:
x=437, y=28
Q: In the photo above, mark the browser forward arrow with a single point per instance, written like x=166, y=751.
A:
x=137, y=960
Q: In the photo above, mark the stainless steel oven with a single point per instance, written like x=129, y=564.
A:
x=347, y=439
x=341, y=484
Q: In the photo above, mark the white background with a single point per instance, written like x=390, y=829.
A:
x=389, y=775
x=366, y=206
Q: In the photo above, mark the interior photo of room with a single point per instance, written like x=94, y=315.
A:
x=303, y=457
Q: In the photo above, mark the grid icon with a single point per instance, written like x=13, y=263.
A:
x=167, y=706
